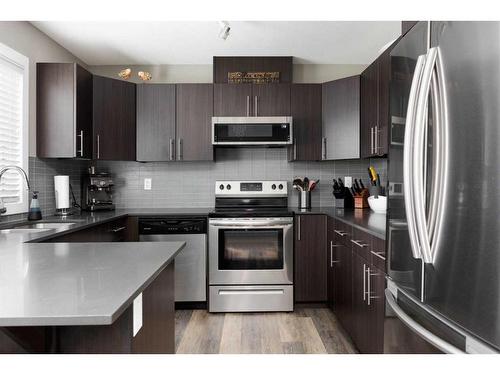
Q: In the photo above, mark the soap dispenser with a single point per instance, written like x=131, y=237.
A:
x=35, y=213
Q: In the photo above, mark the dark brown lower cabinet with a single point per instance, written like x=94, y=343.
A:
x=310, y=258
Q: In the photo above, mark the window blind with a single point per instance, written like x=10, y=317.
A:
x=11, y=129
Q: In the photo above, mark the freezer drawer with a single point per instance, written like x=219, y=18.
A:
x=250, y=298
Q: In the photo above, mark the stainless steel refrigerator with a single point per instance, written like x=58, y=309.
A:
x=443, y=229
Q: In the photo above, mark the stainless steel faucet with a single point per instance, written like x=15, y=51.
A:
x=22, y=172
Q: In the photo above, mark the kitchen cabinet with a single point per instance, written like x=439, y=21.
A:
x=310, y=258
x=63, y=111
x=341, y=119
x=194, y=121
x=119, y=230
x=375, y=106
x=235, y=99
x=174, y=122
x=306, y=107
x=114, y=119
x=155, y=122
x=332, y=260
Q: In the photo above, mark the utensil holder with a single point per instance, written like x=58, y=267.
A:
x=361, y=200
x=304, y=199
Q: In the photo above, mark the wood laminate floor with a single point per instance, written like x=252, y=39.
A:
x=306, y=330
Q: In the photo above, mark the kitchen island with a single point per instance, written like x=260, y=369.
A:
x=86, y=297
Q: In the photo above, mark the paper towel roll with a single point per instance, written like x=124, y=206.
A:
x=61, y=187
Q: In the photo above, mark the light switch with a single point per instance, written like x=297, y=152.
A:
x=348, y=181
x=147, y=183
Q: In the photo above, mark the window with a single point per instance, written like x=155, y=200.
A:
x=13, y=128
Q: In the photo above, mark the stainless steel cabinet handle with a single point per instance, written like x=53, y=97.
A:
x=371, y=140
x=332, y=262
x=323, y=148
x=119, y=229
x=340, y=233
x=295, y=149
x=356, y=242
x=171, y=149
x=81, y=142
x=369, y=296
x=248, y=105
x=364, y=282
x=256, y=105
x=378, y=254
x=179, y=141
x=298, y=228
x=98, y=147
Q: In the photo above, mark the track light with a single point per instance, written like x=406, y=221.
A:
x=224, y=29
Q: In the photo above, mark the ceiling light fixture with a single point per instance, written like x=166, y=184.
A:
x=224, y=29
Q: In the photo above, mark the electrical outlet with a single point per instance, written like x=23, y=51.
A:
x=147, y=183
x=348, y=181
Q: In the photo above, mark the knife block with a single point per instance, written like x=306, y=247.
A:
x=343, y=198
x=361, y=200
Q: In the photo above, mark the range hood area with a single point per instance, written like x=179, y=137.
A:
x=265, y=131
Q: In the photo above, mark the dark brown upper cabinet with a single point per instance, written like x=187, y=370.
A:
x=234, y=99
x=194, y=121
x=64, y=111
x=310, y=281
x=114, y=119
x=174, y=122
x=227, y=64
x=306, y=113
x=406, y=26
x=340, y=120
x=156, y=122
x=375, y=121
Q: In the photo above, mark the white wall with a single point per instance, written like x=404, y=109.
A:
x=306, y=73
x=38, y=47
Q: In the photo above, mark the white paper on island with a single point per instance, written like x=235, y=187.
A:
x=137, y=314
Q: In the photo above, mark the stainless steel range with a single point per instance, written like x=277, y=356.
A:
x=251, y=247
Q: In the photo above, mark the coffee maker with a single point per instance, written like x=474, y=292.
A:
x=97, y=191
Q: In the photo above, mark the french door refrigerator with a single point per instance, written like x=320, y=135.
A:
x=443, y=226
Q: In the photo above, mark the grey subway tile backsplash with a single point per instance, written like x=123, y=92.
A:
x=192, y=184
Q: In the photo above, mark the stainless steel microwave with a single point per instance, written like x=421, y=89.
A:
x=252, y=131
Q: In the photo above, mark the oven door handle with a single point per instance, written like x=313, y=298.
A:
x=250, y=224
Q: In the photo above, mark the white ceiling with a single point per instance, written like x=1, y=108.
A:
x=117, y=43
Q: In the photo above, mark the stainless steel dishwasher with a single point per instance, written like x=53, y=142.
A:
x=191, y=263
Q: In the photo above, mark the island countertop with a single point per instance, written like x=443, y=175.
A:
x=52, y=284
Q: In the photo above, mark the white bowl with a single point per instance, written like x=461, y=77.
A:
x=379, y=204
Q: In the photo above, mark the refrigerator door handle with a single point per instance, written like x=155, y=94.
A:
x=418, y=329
x=407, y=157
x=419, y=156
x=440, y=156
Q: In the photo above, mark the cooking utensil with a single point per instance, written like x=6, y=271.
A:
x=312, y=184
x=305, y=184
x=341, y=184
x=353, y=191
x=298, y=184
x=335, y=185
x=378, y=180
x=361, y=184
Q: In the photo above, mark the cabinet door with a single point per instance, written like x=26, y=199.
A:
x=271, y=99
x=375, y=311
x=83, y=113
x=310, y=258
x=114, y=119
x=341, y=111
x=359, y=327
x=155, y=122
x=383, y=121
x=64, y=111
x=369, y=109
x=332, y=261
x=306, y=114
x=232, y=99
x=194, y=121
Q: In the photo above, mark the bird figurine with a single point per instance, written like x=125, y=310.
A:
x=125, y=73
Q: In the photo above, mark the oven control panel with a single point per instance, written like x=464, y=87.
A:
x=251, y=188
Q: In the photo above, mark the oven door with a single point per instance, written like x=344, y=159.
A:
x=251, y=251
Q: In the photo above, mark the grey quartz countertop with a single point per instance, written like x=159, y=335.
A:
x=364, y=219
x=75, y=283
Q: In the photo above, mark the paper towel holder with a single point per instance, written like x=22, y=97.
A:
x=61, y=190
